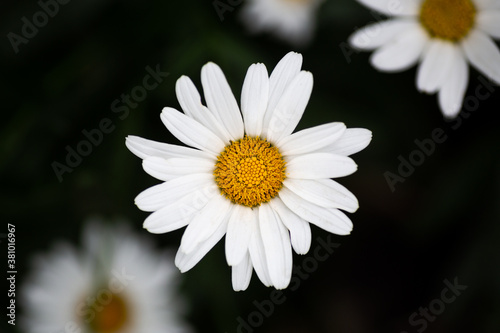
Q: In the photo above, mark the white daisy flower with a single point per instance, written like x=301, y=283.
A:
x=443, y=35
x=248, y=177
x=117, y=284
x=291, y=20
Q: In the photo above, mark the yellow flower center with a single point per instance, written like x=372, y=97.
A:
x=111, y=316
x=448, y=19
x=250, y=171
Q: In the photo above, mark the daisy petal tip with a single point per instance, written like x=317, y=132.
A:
x=345, y=232
x=180, y=80
x=449, y=110
x=293, y=54
x=138, y=201
x=353, y=209
x=181, y=83
x=129, y=142
x=353, y=168
x=302, y=251
x=263, y=68
x=187, y=248
x=209, y=66
x=308, y=74
x=166, y=111
x=153, y=231
x=178, y=261
x=450, y=113
x=355, y=41
x=282, y=286
x=356, y=206
x=181, y=269
x=230, y=260
x=368, y=134
x=131, y=139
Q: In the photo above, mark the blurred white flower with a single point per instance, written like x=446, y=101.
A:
x=248, y=177
x=118, y=283
x=443, y=35
x=291, y=20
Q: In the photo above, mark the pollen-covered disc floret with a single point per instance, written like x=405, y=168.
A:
x=448, y=19
x=250, y=171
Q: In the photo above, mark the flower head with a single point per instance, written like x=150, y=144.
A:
x=117, y=284
x=443, y=35
x=248, y=177
x=291, y=20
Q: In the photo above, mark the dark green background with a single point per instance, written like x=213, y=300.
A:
x=441, y=223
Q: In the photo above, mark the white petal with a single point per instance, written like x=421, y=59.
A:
x=290, y=107
x=242, y=224
x=352, y=141
x=300, y=230
x=205, y=223
x=310, y=139
x=319, y=165
x=452, y=93
x=493, y=5
x=277, y=246
x=284, y=72
x=190, y=101
x=323, y=192
x=167, y=169
x=220, y=100
x=402, y=52
x=483, y=53
x=242, y=273
x=394, y=7
x=489, y=22
x=166, y=193
x=329, y=219
x=484, y=4
x=191, y=132
x=436, y=65
x=254, y=98
x=380, y=33
x=258, y=257
x=187, y=261
x=144, y=148
x=179, y=213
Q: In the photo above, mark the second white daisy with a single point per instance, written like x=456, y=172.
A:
x=441, y=34
x=247, y=176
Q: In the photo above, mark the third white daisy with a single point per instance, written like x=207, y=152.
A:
x=118, y=283
x=247, y=176
x=291, y=20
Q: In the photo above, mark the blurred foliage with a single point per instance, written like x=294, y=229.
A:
x=441, y=223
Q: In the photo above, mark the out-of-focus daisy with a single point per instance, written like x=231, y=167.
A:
x=248, y=177
x=117, y=284
x=291, y=20
x=443, y=35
